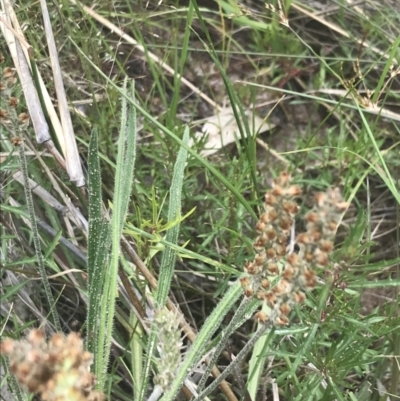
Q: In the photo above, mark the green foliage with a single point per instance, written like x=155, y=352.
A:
x=122, y=191
x=98, y=244
x=190, y=218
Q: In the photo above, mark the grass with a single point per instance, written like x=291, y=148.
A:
x=328, y=85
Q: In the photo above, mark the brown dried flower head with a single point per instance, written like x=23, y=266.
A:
x=3, y=114
x=24, y=118
x=13, y=102
x=16, y=141
x=58, y=370
x=297, y=270
x=8, y=72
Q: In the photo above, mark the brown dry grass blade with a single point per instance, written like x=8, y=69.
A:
x=74, y=167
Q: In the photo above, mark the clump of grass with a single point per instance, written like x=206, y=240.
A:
x=330, y=349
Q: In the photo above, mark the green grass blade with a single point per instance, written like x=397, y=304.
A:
x=128, y=160
x=169, y=254
x=122, y=192
x=389, y=63
x=385, y=174
x=53, y=244
x=173, y=108
x=98, y=243
x=174, y=213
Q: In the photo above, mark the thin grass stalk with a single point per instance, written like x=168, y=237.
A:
x=227, y=332
x=387, y=177
x=172, y=110
x=238, y=360
x=36, y=240
x=257, y=361
x=237, y=108
x=396, y=336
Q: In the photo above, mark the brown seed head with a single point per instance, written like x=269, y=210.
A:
x=315, y=236
x=326, y=246
x=309, y=257
x=280, y=250
x=264, y=218
x=289, y=273
x=57, y=341
x=277, y=191
x=10, y=82
x=36, y=337
x=308, y=278
x=252, y=268
x=265, y=283
x=342, y=206
x=271, y=234
x=283, y=287
x=282, y=239
x=290, y=207
x=285, y=309
x=13, y=102
x=270, y=299
x=260, y=259
x=3, y=114
x=260, y=226
x=272, y=215
x=321, y=258
x=261, y=316
x=282, y=320
x=244, y=281
x=312, y=217
x=272, y=269
x=298, y=297
x=7, y=346
x=8, y=72
x=271, y=253
x=270, y=199
x=293, y=259
x=24, y=118
x=331, y=225
x=303, y=238
x=283, y=179
x=320, y=199
x=294, y=190
x=285, y=223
